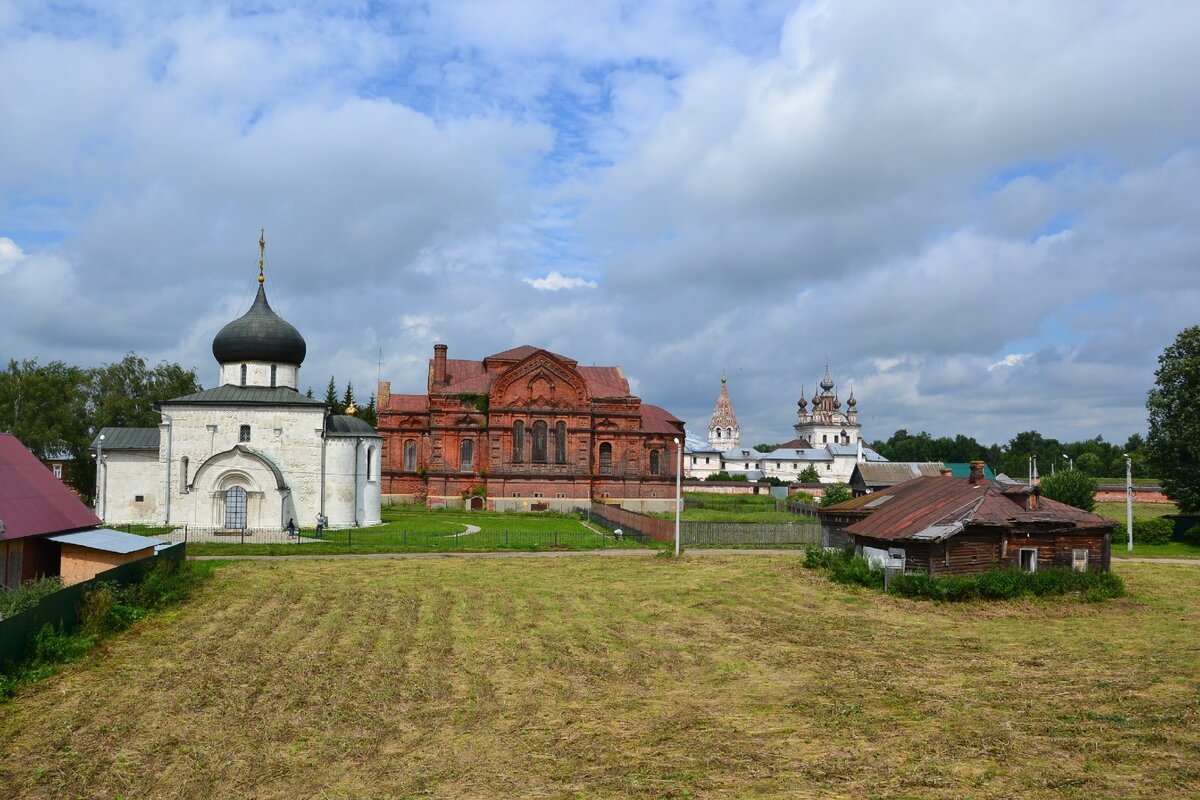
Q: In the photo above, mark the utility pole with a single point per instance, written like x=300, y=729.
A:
x=1129, y=502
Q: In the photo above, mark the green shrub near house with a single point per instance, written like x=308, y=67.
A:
x=845, y=567
x=1151, y=530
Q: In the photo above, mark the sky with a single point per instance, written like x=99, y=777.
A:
x=984, y=217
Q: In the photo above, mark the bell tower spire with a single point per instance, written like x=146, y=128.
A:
x=723, y=431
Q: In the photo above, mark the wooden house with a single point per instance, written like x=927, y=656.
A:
x=952, y=526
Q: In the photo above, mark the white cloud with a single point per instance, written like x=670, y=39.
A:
x=10, y=254
x=1010, y=360
x=555, y=281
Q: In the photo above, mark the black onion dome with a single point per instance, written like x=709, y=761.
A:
x=260, y=335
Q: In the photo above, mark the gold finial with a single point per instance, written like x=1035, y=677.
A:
x=351, y=410
x=262, y=251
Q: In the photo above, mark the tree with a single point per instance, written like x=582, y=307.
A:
x=810, y=475
x=1173, y=442
x=45, y=407
x=124, y=394
x=348, y=398
x=331, y=398
x=836, y=493
x=367, y=413
x=1088, y=464
x=1071, y=486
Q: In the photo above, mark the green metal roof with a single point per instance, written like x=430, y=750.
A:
x=247, y=396
x=344, y=425
x=127, y=439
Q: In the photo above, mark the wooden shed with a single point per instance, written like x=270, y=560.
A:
x=953, y=526
x=85, y=554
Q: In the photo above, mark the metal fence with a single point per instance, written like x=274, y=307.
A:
x=61, y=609
x=749, y=533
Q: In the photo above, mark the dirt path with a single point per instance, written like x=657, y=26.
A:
x=1195, y=562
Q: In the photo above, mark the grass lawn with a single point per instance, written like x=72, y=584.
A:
x=618, y=677
x=1140, y=510
x=1144, y=511
x=413, y=529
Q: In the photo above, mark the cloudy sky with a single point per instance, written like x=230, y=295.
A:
x=984, y=216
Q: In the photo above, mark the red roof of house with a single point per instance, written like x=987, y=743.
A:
x=659, y=420
x=934, y=506
x=410, y=403
x=32, y=501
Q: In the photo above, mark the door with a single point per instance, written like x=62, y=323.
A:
x=235, y=507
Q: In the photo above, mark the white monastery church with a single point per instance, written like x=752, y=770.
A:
x=252, y=453
x=826, y=438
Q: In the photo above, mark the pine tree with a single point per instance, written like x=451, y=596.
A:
x=331, y=398
x=348, y=400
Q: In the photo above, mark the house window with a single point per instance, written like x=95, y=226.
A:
x=243, y=374
x=57, y=469
x=518, y=442
x=537, y=495
x=516, y=494
x=606, y=459
x=654, y=459
x=466, y=456
x=1079, y=559
x=273, y=368
x=706, y=461
x=410, y=455
x=824, y=439
x=1029, y=559
x=139, y=498
x=540, y=430
x=235, y=507
x=560, y=495
x=654, y=494
x=560, y=443
x=244, y=433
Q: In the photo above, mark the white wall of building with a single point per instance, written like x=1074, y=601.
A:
x=123, y=477
x=258, y=373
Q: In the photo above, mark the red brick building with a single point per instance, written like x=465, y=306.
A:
x=526, y=428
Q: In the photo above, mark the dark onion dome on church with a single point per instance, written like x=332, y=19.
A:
x=260, y=335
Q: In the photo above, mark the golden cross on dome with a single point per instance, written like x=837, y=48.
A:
x=262, y=251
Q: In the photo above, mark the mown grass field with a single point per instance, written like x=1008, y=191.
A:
x=619, y=677
x=411, y=529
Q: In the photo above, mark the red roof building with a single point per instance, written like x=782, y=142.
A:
x=33, y=504
x=525, y=428
x=944, y=525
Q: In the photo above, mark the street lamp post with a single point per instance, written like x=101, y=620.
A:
x=1070, y=462
x=99, y=465
x=1129, y=502
x=678, y=489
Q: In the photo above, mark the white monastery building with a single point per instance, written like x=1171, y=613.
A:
x=826, y=438
x=252, y=453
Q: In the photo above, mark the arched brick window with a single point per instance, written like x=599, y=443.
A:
x=560, y=443
x=518, y=449
x=606, y=458
x=539, y=441
x=410, y=456
x=466, y=456
x=654, y=463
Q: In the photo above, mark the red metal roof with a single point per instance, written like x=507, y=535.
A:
x=902, y=511
x=411, y=403
x=659, y=420
x=32, y=501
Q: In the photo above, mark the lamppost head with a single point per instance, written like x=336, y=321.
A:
x=676, y=440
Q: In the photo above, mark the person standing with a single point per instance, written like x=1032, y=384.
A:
x=291, y=528
x=320, y=524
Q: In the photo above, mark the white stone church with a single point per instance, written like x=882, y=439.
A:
x=252, y=453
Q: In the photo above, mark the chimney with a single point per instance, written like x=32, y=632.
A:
x=383, y=395
x=439, y=365
x=976, y=472
x=946, y=472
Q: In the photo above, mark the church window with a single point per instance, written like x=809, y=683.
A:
x=654, y=465
x=560, y=443
x=235, y=507
x=824, y=439
x=273, y=368
x=729, y=433
x=370, y=463
x=606, y=459
x=243, y=374
x=410, y=456
x=540, y=429
x=718, y=432
x=183, y=470
x=244, y=434
x=466, y=456
x=518, y=442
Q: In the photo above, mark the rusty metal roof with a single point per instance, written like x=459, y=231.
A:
x=32, y=501
x=934, y=508
x=889, y=473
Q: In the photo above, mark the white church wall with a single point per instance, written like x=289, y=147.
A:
x=125, y=477
x=351, y=492
x=258, y=373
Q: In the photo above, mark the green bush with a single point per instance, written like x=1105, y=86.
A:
x=800, y=497
x=1192, y=535
x=28, y=595
x=1152, y=530
x=1072, y=487
x=836, y=493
